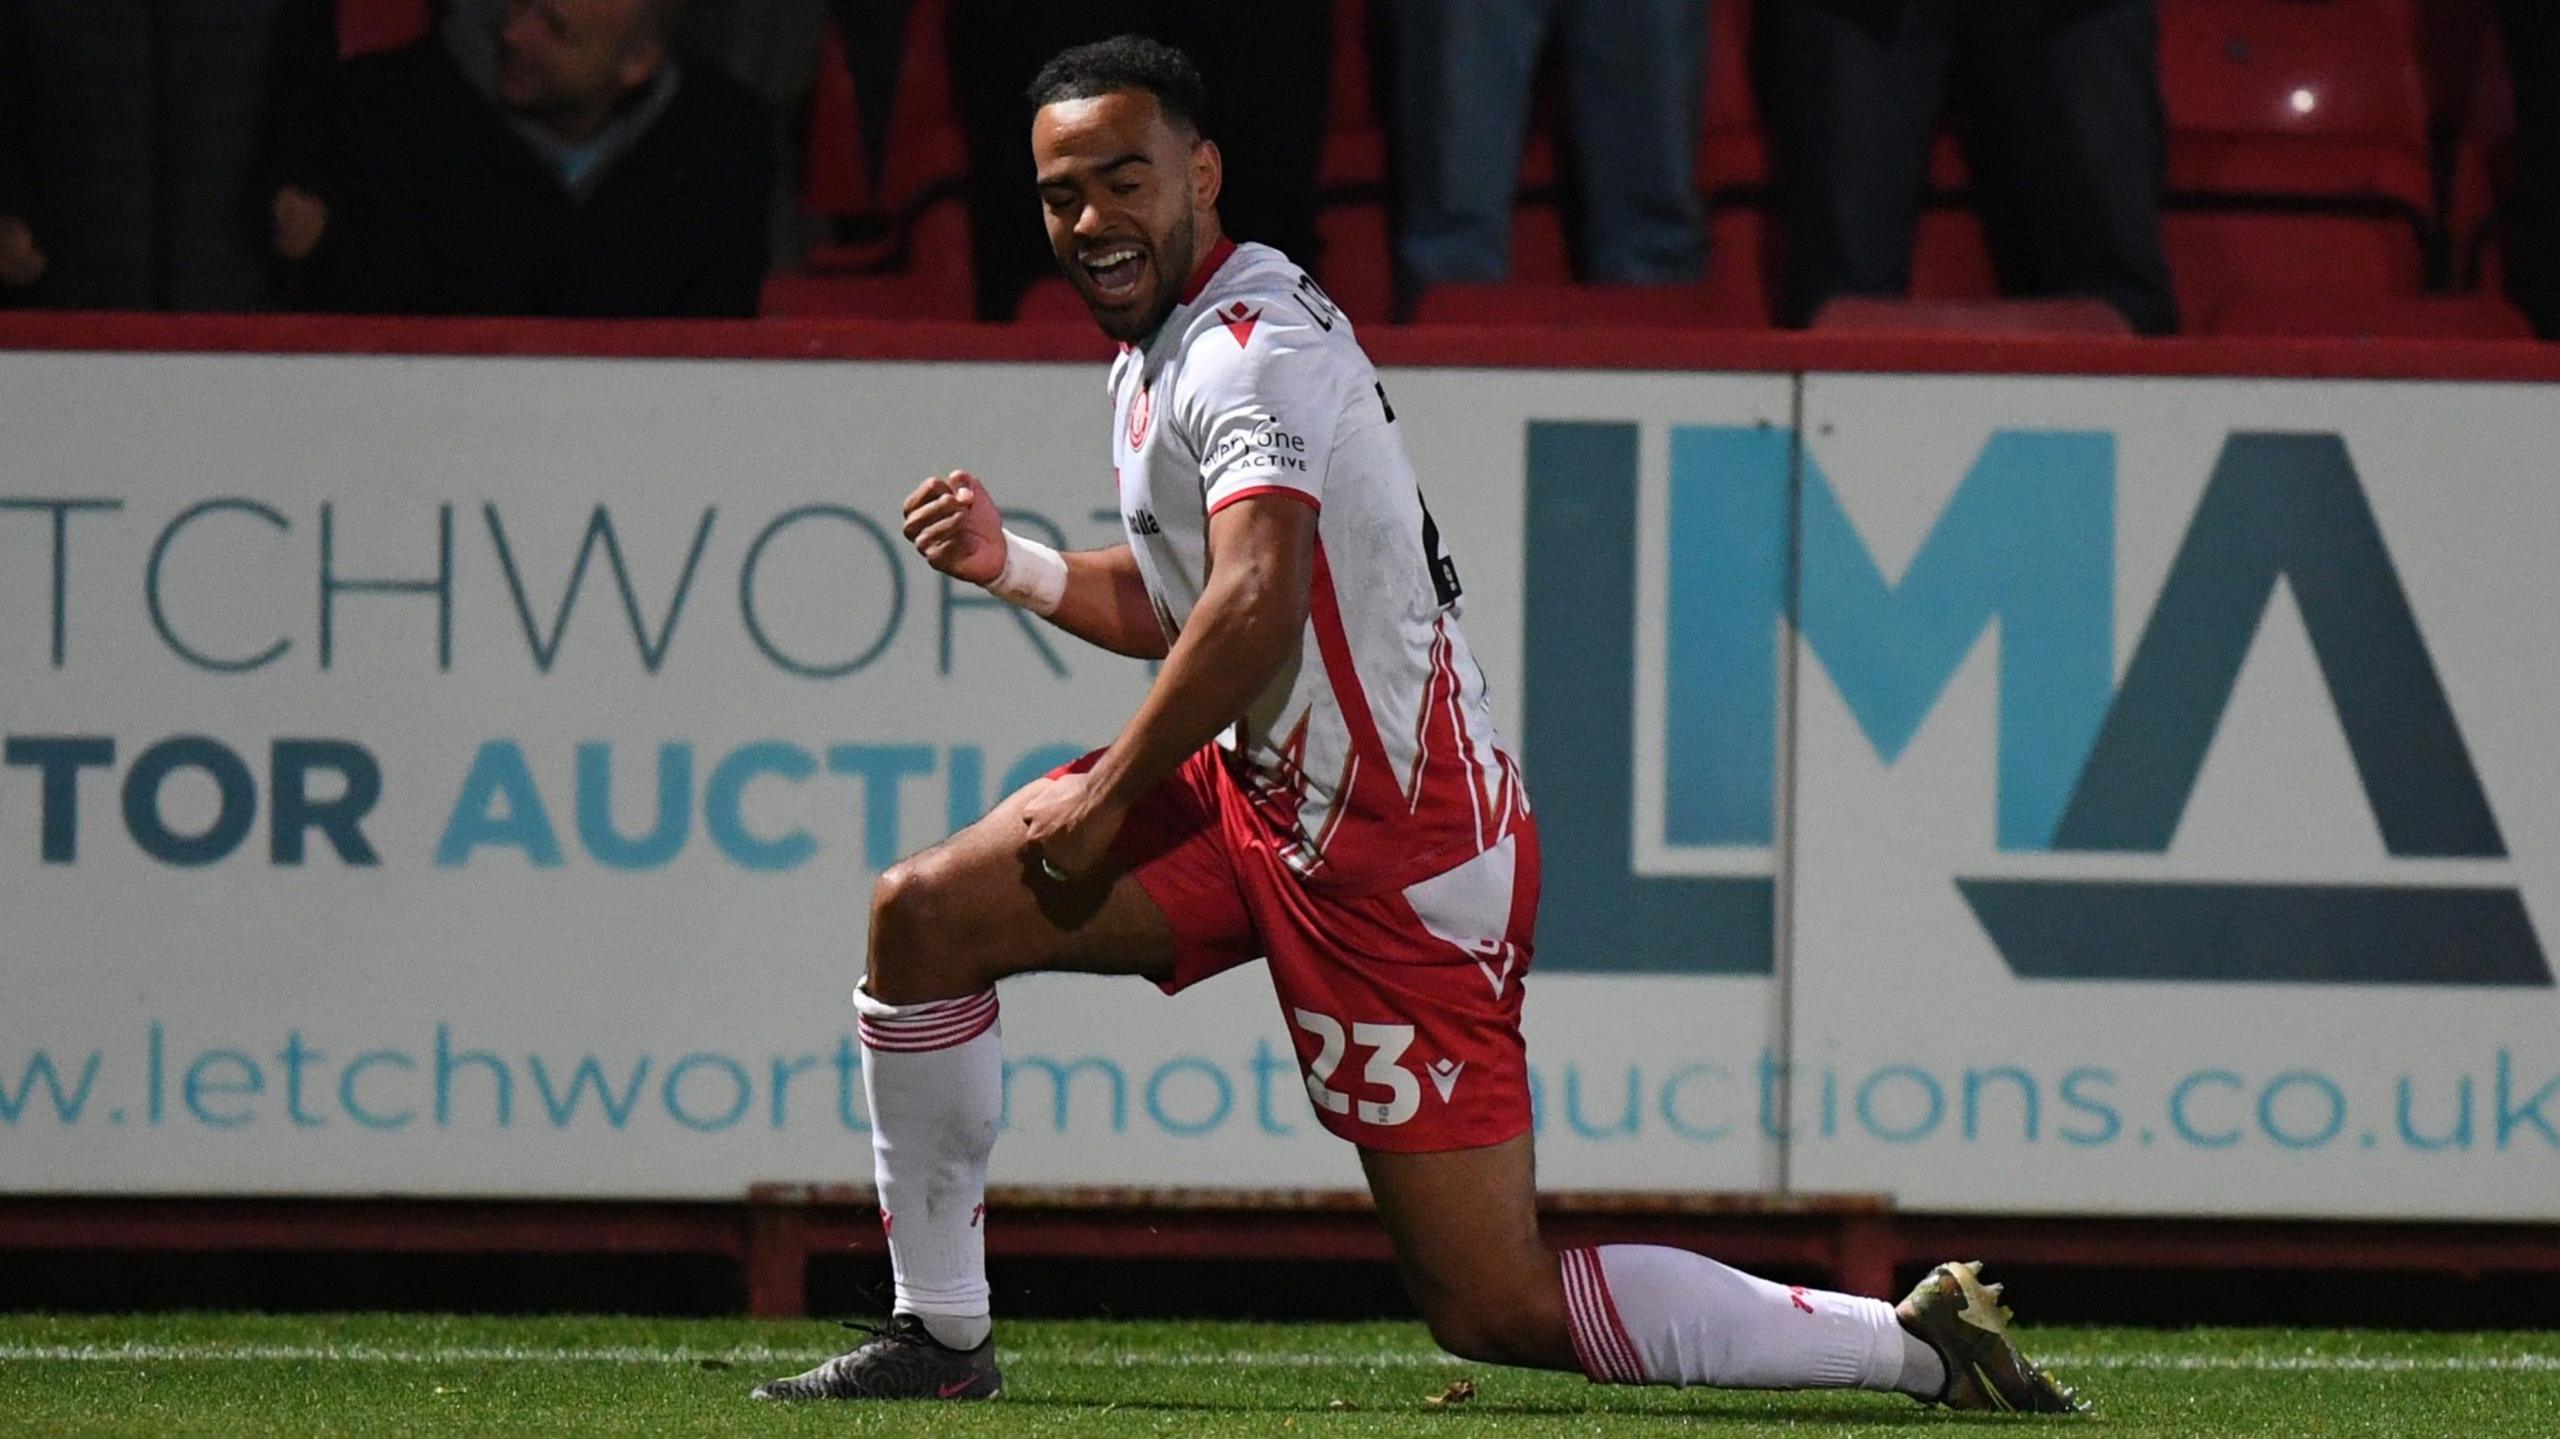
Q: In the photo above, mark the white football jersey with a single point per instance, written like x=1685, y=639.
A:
x=1371, y=759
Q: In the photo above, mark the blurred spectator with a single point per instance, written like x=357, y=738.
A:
x=2072, y=167
x=543, y=157
x=2533, y=61
x=22, y=260
x=128, y=135
x=1268, y=68
x=774, y=48
x=302, y=71
x=1634, y=74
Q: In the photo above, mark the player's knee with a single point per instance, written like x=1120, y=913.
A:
x=913, y=948
x=1489, y=1330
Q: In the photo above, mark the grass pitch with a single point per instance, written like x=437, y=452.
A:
x=430, y=1375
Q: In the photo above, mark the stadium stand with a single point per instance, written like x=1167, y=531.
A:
x=2336, y=167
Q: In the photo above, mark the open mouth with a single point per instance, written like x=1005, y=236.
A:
x=1115, y=271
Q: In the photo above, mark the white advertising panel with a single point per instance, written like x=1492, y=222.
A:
x=466, y=776
x=2174, y=823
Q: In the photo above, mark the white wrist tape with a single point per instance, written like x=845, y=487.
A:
x=1034, y=576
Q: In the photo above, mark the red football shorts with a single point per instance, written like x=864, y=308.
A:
x=1404, y=1006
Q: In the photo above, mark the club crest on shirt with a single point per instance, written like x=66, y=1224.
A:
x=1141, y=412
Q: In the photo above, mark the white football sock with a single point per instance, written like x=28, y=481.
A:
x=933, y=1076
x=1642, y=1314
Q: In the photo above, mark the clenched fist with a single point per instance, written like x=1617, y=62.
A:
x=956, y=527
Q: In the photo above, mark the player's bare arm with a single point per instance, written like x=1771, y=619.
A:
x=1251, y=617
x=958, y=528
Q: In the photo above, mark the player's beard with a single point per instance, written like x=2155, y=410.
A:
x=1132, y=326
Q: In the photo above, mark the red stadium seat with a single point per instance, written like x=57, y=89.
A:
x=2075, y=315
x=1733, y=153
x=1052, y=302
x=2215, y=258
x=2300, y=157
x=368, y=26
x=1950, y=258
x=1745, y=258
x=2365, y=317
x=924, y=158
x=1742, y=261
x=2297, y=100
x=1351, y=103
x=1353, y=164
x=1357, y=269
x=1553, y=305
x=835, y=180
x=935, y=285
x=1540, y=253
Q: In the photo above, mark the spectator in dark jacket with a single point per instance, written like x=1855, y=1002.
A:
x=128, y=136
x=22, y=259
x=2533, y=61
x=544, y=157
x=2071, y=93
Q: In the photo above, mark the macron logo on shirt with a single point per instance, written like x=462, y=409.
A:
x=1240, y=322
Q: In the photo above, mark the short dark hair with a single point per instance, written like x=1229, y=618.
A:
x=1125, y=62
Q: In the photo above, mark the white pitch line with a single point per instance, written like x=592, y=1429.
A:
x=369, y=1354
x=2315, y=1363
x=1141, y=1359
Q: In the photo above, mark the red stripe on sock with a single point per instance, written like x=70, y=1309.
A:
x=944, y=1028
x=929, y=1039
x=1606, y=1355
x=1573, y=1306
x=1606, y=1340
x=929, y=1046
x=1617, y=1326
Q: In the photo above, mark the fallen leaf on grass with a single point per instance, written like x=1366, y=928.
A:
x=1458, y=1393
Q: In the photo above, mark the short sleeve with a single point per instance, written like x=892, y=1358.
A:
x=1259, y=400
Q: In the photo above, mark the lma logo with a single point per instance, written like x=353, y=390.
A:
x=2084, y=765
